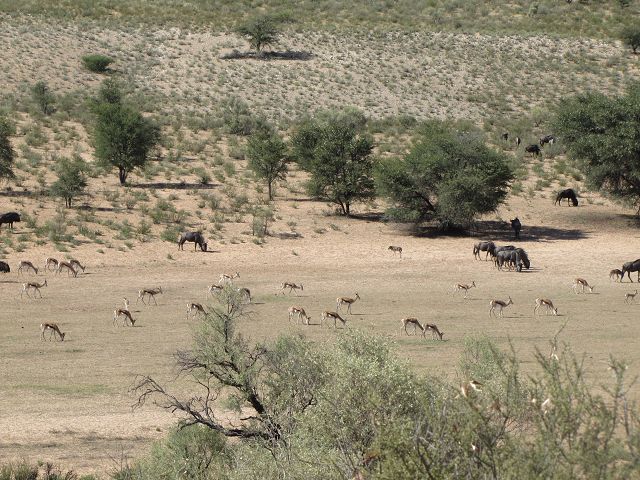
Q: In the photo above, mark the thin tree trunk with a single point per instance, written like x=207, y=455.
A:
x=270, y=190
x=122, y=174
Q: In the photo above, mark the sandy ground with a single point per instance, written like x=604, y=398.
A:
x=69, y=402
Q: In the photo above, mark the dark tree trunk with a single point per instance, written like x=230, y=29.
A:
x=270, y=187
x=122, y=175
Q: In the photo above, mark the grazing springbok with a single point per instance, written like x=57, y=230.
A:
x=488, y=247
x=411, y=321
x=548, y=304
x=629, y=267
x=214, y=289
x=151, y=292
x=26, y=265
x=123, y=312
x=348, y=301
x=630, y=296
x=227, y=278
x=291, y=286
x=470, y=386
x=581, y=283
x=498, y=305
x=433, y=328
x=395, y=250
x=77, y=265
x=68, y=266
x=458, y=287
x=299, y=313
x=615, y=275
x=33, y=286
x=245, y=292
x=51, y=262
x=332, y=315
x=569, y=194
x=53, y=330
x=195, y=309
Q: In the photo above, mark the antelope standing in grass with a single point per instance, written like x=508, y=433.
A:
x=615, y=275
x=332, y=315
x=68, y=266
x=76, y=264
x=26, y=265
x=123, y=312
x=195, y=309
x=291, y=286
x=53, y=329
x=458, y=287
x=227, y=278
x=630, y=296
x=498, y=305
x=151, y=292
x=395, y=250
x=51, y=262
x=581, y=283
x=433, y=328
x=245, y=292
x=548, y=304
x=33, y=286
x=411, y=321
x=348, y=301
x=299, y=313
x=214, y=289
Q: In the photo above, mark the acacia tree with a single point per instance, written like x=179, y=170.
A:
x=267, y=155
x=449, y=175
x=260, y=31
x=631, y=36
x=6, y=150
x=337, y=153
x=43, y=97
x=603, y=135
x=122, y=136
x=71, y=181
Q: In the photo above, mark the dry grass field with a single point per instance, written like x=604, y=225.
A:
x=69, y=401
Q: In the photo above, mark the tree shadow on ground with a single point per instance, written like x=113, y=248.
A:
x=501, y=231
x=270, y=55
x=175, y=186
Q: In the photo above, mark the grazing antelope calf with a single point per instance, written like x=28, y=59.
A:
x=195, y=308
x=615, y=275
x=76, y=264
x=433, y=328
x=26, y=265
x=291, y=286
x=498, y=305
x=395, y=250
x=411, y=321
x=151, y=292
x=53, y=329
x=332, y=315
x=299, y=313
x=226, y=278
x=51, y=262
x=545, y=302
x=33, y=286
x=346, y=301
x=582, y=284
x=68, y=266
x=463, y=286
x=123, y=312
x=630, y=296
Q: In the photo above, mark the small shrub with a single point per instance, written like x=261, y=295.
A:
x=97, y=63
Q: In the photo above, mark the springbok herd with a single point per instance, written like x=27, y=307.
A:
x=297, y=312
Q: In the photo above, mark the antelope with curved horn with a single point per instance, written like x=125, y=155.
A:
x=433, y=328
x=77, y=265
x=51, y=262
x=333, y=315
x=458, y=287
x=411, y=321
x=630, y=296
x=548, y=304
x=151, y=292
x=498, y=305
x=32, y=286
x=26, y=265
x=68, y=266
x=348, y=301
x=582, y=284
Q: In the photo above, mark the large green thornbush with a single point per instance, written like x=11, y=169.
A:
x=97, y=63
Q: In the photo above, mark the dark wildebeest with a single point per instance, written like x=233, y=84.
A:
x=517, y=258
x=550, y=139
x=522, y=259
x=533, y=148
x=9, y=218
x=483, y=247
x=505, y=136
x=196, y=238
x=629, y=267
x=4, y=267
x=569, y=194
x=517, y=226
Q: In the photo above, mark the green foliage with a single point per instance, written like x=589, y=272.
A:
x=7, y=153
x=71, y=181
x=122, y=136
x=267, y=155
x=337, y=153
x=236, y=116
x=43, y=97
x=603, y=135
x=631, y=36
x=97, y=63
x=260, y=31
x=450, y=175
x=45, y=471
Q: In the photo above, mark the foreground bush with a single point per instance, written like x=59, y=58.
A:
x=351, y=409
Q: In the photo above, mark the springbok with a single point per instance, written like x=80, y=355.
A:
x=32, y=286
x=296, y=311
x=332, y=315
x=433, y=328
x=245, y=292
x=411, y=321
x=630, y=296
x=395, y=249
x=582, y=284
x=214, y=289
x=291, y=286
x=76, y=264
x=151, y=292
x=53, y=330
x=195, y=309
x=68, y=266
x=227, y=278
x=51, y=262
x=498, y=305
x=463, y=286
x=24, y=264
x=123, y=312
x=545, y=302
x=348, y=301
